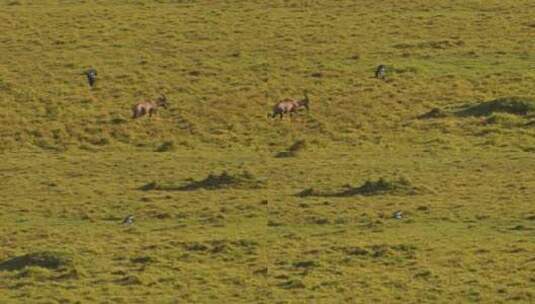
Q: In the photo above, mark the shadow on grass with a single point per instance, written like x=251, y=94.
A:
x=509, y=105
x=382, y=186
x=293, y=150
x=45, y=259
x=244, y=180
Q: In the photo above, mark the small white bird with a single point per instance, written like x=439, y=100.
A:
x=380, y=72
x=397, y=215
x=91, y=75
x=128, y=220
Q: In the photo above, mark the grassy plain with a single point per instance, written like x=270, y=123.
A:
x=75, y=164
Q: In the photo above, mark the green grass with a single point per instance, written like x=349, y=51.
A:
x=231, y=207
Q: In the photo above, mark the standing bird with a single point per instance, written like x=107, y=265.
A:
x=397, y=215
x=129, y=220
x=380, y=73
x=91, y=76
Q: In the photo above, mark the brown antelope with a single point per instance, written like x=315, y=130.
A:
x=289, y=106
x=149, y=107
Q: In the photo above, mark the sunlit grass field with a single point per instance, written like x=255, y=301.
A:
x=232, y=207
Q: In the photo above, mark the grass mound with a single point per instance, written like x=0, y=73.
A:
x=293, y=150
x=44, y=259
x=244, y=180
x=511, y=105
x=382, y=186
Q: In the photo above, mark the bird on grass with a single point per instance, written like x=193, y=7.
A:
x=91, y=75
x=397, y=215
x=380, y=72
x=129, y=220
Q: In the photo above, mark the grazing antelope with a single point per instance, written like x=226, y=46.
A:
x=91, y=75
x=380, y=73
x=149, y=107
x=289, y=106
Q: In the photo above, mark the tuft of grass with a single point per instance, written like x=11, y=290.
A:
x=505, y=120
x=358, y=251
x=306, y=264
x=143, y=260
x=129, y=280
x=292, y=284
x=166, y=146
x=118, y=121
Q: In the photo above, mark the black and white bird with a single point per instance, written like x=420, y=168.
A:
x=129, y=220
x=397, y=215
x=380, y=72
x=91, y=77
